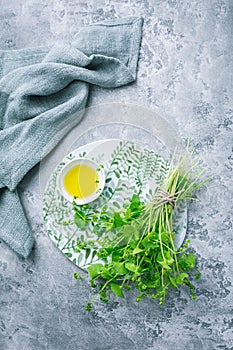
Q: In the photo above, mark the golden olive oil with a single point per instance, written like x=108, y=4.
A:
x=81, y=181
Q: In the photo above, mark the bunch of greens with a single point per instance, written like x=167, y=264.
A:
x=136, y=244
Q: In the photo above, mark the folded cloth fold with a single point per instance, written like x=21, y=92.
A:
x=43, y=94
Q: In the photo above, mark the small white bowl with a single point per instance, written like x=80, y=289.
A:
x=95, y=194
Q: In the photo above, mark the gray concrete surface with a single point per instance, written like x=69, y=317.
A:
x=185, y=74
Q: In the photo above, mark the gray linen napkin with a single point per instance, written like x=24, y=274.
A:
x=43, y=93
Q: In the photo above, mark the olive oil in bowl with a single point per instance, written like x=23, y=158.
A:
x=82, y=179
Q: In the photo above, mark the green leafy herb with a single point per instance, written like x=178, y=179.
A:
x=136, y=243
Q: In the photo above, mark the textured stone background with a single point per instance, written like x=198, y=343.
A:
x=185, y=73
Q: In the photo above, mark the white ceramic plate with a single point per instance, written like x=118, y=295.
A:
x=129, y=168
